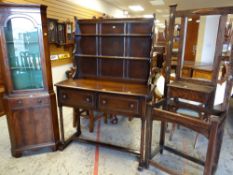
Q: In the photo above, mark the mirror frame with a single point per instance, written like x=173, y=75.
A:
x=183, y=14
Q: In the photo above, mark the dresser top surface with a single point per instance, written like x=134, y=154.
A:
x=120, y=88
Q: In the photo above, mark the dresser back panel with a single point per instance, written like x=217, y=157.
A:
x=114, y=49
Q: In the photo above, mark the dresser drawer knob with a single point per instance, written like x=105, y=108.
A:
x=39, y=101
x=88, y=99
x=64, y=96
x=131, y=106
x=104, y=102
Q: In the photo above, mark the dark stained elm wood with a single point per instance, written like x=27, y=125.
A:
x=31, y=114
x=114, y=28
x=88, y=29
x=138, y=69
x=211, y=119
x=139, y=46
x=84, y=68
x=122, y=88
x=112, y=46
x=83, y=45
x=111, y=68
x=139, y=28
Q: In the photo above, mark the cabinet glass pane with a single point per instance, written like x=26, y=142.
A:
x=23, y=54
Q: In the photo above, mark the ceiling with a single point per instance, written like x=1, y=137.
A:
x=162, y=11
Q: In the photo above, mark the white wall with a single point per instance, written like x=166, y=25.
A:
x=100, y=6
x=58, y=73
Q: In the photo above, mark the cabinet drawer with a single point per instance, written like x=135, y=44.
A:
x=121, y=104
x=28, y=102
x=76, y=98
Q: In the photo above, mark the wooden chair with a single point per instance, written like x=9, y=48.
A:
x=212, y=118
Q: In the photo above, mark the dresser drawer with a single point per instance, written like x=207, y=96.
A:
x=28, y=102
x=121, y=104
x=76, y=98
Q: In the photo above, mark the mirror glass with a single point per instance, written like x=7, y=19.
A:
x=199, y=46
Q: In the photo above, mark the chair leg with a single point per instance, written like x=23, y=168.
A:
x=105, y=118
x=218, y=149
x=172, y=131
x=162, y=136
x=211, y=150
x=114, y=119
x=91, y=121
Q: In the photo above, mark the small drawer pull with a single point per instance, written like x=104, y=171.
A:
x=39, y=101
x=64, y=96
x=19, y=102
x=104, y=102
x=88, y=99
x=131, y=106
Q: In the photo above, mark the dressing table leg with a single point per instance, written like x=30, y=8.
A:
x=78, y=116
x=142, y=145
x=91, y=120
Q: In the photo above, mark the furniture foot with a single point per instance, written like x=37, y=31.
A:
x=17, y=154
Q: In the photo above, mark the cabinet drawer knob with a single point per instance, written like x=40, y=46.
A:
x=64, y=96
x=88, y=99
x=39, y=101
x=131, y=106
x=104, y=102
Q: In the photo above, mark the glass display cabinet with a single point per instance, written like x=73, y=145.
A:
x=30, y=102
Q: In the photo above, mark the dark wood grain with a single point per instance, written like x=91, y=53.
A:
x=29, y=112
x=211, y=119
x=112, y=71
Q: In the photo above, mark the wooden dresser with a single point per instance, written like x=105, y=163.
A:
x=113, y=65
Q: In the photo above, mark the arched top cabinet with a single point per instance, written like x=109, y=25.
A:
x=29, y=100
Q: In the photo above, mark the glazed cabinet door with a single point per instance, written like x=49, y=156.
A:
x=23, y=54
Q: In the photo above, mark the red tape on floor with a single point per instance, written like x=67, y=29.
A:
x=96, y=163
